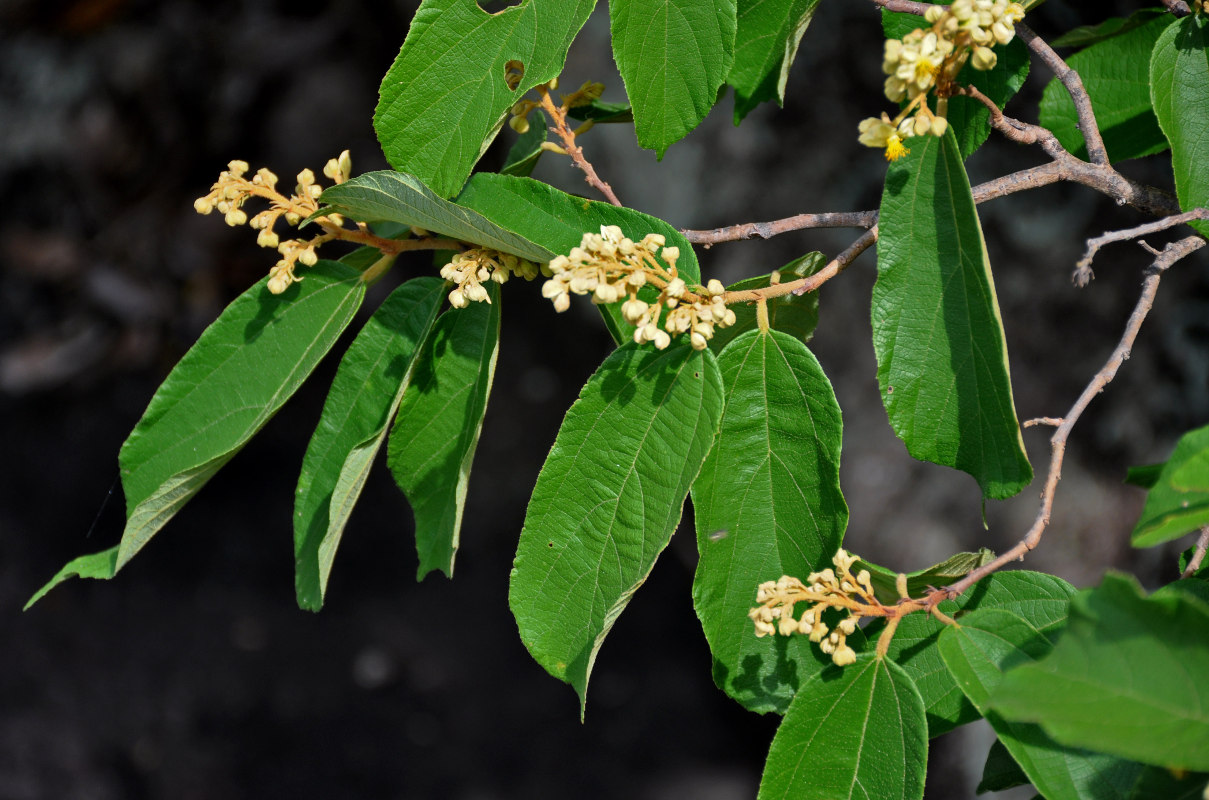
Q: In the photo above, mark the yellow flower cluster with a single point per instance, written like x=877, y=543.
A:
x=470, y=268
x=832, y=588
x=233, y=189
x=927, y=60
x=609, y=267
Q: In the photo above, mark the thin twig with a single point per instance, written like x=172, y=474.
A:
x=904, y=6
x=1198, y=555
x=1053, y=422
x=559, y=117
x=811, y=282
x=1170, y=255
x=1074, y=85
x=767, y=230
x=1083, y=273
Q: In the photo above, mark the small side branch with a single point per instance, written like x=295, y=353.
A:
x=904, y=6
x=1198, y=554
x=1074, y=85
x=1169, y=255
x=767, y=230
x=1083, y=273
x=559, y=117
x=811, y=282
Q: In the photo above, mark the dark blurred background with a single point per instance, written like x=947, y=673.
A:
x=194, y=675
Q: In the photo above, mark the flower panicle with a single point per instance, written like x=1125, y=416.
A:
x=470, y=269
x=927, y=60
x=612, y=268
x=233, y=189
x=834, y=588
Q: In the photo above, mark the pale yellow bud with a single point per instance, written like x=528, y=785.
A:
x=715, y=287
x=236, y=217
x=676, y=288
x=519, y=124
x=983, y=58
x=237, y=168
x=697, y=341
x=203, y=205
x=308, y=257
x=843, y=656
x=457, y=299
x=267, y=238
x=562, y=303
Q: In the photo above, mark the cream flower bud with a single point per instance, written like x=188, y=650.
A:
x=983, y=58
x=266, y=238
x=676, y=288
x=519, y=124
x=843, y=656
x=562, y=303
x=939, y=126
x=662, y=340
x=697, y=341
x=715, y=287
x=236, y=217
x=670, y=255
x=279, y=281
x=237, y=168
x=308, y=257
x=457, y=298
x=477, y=293
x=203, y=205
x=292, y=219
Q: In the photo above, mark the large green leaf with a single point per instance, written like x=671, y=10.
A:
x=1179, y=88
x=767, y=503
x=1039, y=598
x=241, y=370
x=1178, y=500
x=608, y=499
x=989, y=641
x=859, y=735
x=673, y=56
x=1085, y=35
x=445, y=97
x=557, y=221
x=797, y=315
x=1127, y=677
x=398, y=197
x=364, y=395
x=969, y=118
x=1116, y=74
x=766, y=43
x=100, y=566
x=942, y=358
x=437, y=428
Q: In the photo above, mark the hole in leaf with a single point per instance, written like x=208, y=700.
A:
x=496, y=6
x=514, y=71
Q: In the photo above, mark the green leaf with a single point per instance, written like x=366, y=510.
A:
x=229, y=384
x=942, y=358
x=360, y=404
x=445, y=97
x=1086, y=35
x=1000, y=771
x=767, y=503
x=1178, y=502
x=557, y=221
x=952, y=569
x=969, y=118
x=1127, y=677
x=1115, y=73
x=524, y=153
x=437, y=428
x=857, y=734
x=1039, y=598
x=977, y=653
x=601, y=112
x=398, y=197
x=797, y=315
x=101, y=566
x=766, y=43
x=1179, y=88
x=673, y=56
x=1144, y=476
x=608, y=499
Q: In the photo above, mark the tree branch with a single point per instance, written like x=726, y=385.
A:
x=767, y=230
x=1083, y=273
x=1074, y=85
x=811, y=282
x=1169, y=255
x=559, y=117
x=904, y=6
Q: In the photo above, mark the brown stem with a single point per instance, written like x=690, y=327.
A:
x=559, y=117
x=811, y=282
x=1198, y=555
x=767, y=230
x=1170, y=255
x=1074, y=86
x=904, y=6
x=1083, y=273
